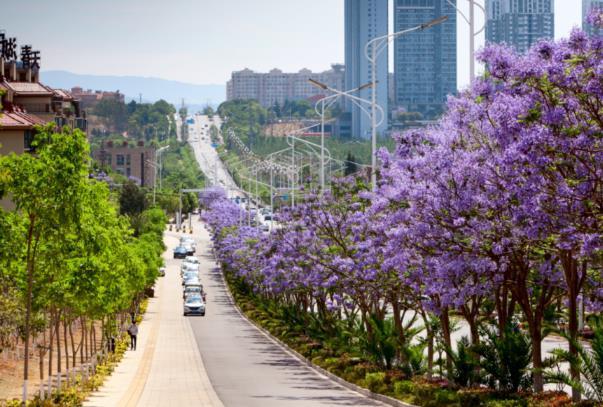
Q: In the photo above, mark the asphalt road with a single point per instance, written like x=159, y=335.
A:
x=206, y=155
x=246, y=368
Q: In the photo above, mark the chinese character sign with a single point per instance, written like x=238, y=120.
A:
x=8, y=48
x=30, y=58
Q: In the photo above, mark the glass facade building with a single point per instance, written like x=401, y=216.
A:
x=365, y=20
x=519, y=23
x=587, y=6
x=424, y=61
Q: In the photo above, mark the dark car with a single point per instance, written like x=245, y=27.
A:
x=180, y=252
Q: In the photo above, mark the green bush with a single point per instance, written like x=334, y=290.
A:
x=403, y=388
x=507, y=403
x=375, y=382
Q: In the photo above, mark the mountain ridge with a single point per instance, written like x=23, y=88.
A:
x=152, y=89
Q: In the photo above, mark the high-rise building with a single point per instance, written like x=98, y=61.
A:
x=424, y=61
x=519, y=23
x=277, y=86
x=587, y=6
x=365, y=20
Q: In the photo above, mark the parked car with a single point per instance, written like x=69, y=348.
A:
x=162, y=271
x=194, y=305
x=180, y=252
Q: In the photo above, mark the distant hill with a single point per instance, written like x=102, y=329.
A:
x=152, y=89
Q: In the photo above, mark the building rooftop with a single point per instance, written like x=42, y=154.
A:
x=18, y=120
x=27, y=88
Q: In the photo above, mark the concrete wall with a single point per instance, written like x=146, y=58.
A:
x=12, y=141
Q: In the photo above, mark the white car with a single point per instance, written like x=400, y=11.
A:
x=194, y=305
x=188, y=267
x=191, y=259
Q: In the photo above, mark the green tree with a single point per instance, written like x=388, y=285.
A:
x=132, y=199
x=44, y=188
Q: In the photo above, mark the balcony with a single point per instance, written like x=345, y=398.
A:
x=71, y=122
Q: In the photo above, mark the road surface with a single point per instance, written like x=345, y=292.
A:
x=206, y=155
x=245, y=367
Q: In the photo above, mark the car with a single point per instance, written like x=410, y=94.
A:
x=189, y=276
x=162, y=271
x=191, y=259
x=194, y=305
x=188, y=267
x=180, y=252
x=190, y=250
x=185, y=240
x=193, y=289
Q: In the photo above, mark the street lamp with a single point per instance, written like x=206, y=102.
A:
x=158, y=153
x=377, y=45
x=472, y=34
x=331, y=100
x=358, y=102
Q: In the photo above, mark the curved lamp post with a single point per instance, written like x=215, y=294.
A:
x=376, y=46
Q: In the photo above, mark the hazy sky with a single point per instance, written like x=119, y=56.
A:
x=198, y=41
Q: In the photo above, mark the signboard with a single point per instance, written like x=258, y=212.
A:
x=8, y=52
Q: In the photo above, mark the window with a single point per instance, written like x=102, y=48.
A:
x=128, y=160
x=28, y=138
x=119, y=159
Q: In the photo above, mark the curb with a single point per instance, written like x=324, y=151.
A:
x=350, y=386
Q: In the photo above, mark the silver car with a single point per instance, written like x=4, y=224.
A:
x=194, y=305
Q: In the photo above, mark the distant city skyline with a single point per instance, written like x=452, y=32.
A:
x=202, y=42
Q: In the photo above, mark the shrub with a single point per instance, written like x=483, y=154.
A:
x=375, y=382
x=403, y=388
x=507, y=403
x=506, y=358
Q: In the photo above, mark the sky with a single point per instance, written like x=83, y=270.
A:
x=201, y=41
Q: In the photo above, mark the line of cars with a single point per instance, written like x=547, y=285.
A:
x=262, y=218
x=193, y=294
x=187, y=247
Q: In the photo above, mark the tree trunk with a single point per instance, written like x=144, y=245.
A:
x=573, y=279
x=66, y=344
x=58, y=339
x=445, y=321
x=50, y=342
x=93, y=338
x=430, y=347
x=73, y=348
x=537, y=357
x=85, y=333
x=28, y=300
x=82, y=337
x=43, y=352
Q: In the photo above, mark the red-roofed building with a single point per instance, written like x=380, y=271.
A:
x=27, y=103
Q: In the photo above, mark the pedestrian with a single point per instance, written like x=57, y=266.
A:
x=133, y=332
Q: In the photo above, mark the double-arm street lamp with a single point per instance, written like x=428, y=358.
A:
x=472, y=32
x=372, y=50
x=354, y=99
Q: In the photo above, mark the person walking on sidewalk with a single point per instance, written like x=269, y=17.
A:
x=133, y=332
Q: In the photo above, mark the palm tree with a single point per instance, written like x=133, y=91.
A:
x=589, y=363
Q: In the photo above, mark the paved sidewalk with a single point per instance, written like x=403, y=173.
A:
x=166, y=369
